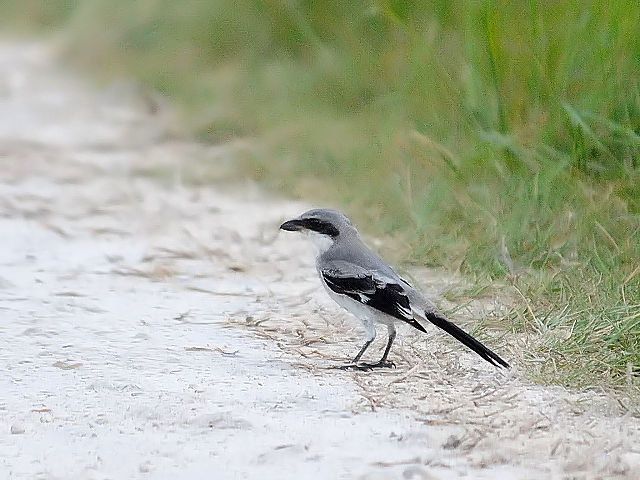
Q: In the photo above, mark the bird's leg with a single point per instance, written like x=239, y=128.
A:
x=392, y=337
x=362, y=350
x=354, y=364
x=370, y=330
x=383, y=361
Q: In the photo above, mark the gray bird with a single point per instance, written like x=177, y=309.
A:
x=362, y=283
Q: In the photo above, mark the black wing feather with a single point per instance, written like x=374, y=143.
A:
x=385, y=297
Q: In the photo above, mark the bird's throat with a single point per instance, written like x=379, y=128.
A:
x=320, y=241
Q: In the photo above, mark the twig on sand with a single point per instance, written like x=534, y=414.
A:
x=406, y=375
x=213, y=292
x=411, y=461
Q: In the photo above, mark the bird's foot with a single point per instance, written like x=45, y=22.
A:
x=385, y=364
x=354, y=366
x=365, y=367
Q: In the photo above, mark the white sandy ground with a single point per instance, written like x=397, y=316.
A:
x=152, y=328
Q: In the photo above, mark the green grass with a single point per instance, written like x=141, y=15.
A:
x=498, y=138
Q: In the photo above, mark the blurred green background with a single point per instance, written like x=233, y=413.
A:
x=497, y=138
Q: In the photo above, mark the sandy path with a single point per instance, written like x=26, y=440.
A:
x=151, y=328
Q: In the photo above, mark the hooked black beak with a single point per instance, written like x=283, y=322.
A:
x=292, y=225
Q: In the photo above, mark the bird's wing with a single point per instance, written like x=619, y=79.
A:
x=371, y=288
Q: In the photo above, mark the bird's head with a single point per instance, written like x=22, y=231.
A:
x=323, y=226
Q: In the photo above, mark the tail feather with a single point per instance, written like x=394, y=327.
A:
x=462, y=336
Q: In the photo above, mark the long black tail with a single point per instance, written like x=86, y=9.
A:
x=462, y=336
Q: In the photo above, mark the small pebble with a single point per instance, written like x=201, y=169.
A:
x=17, y=429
